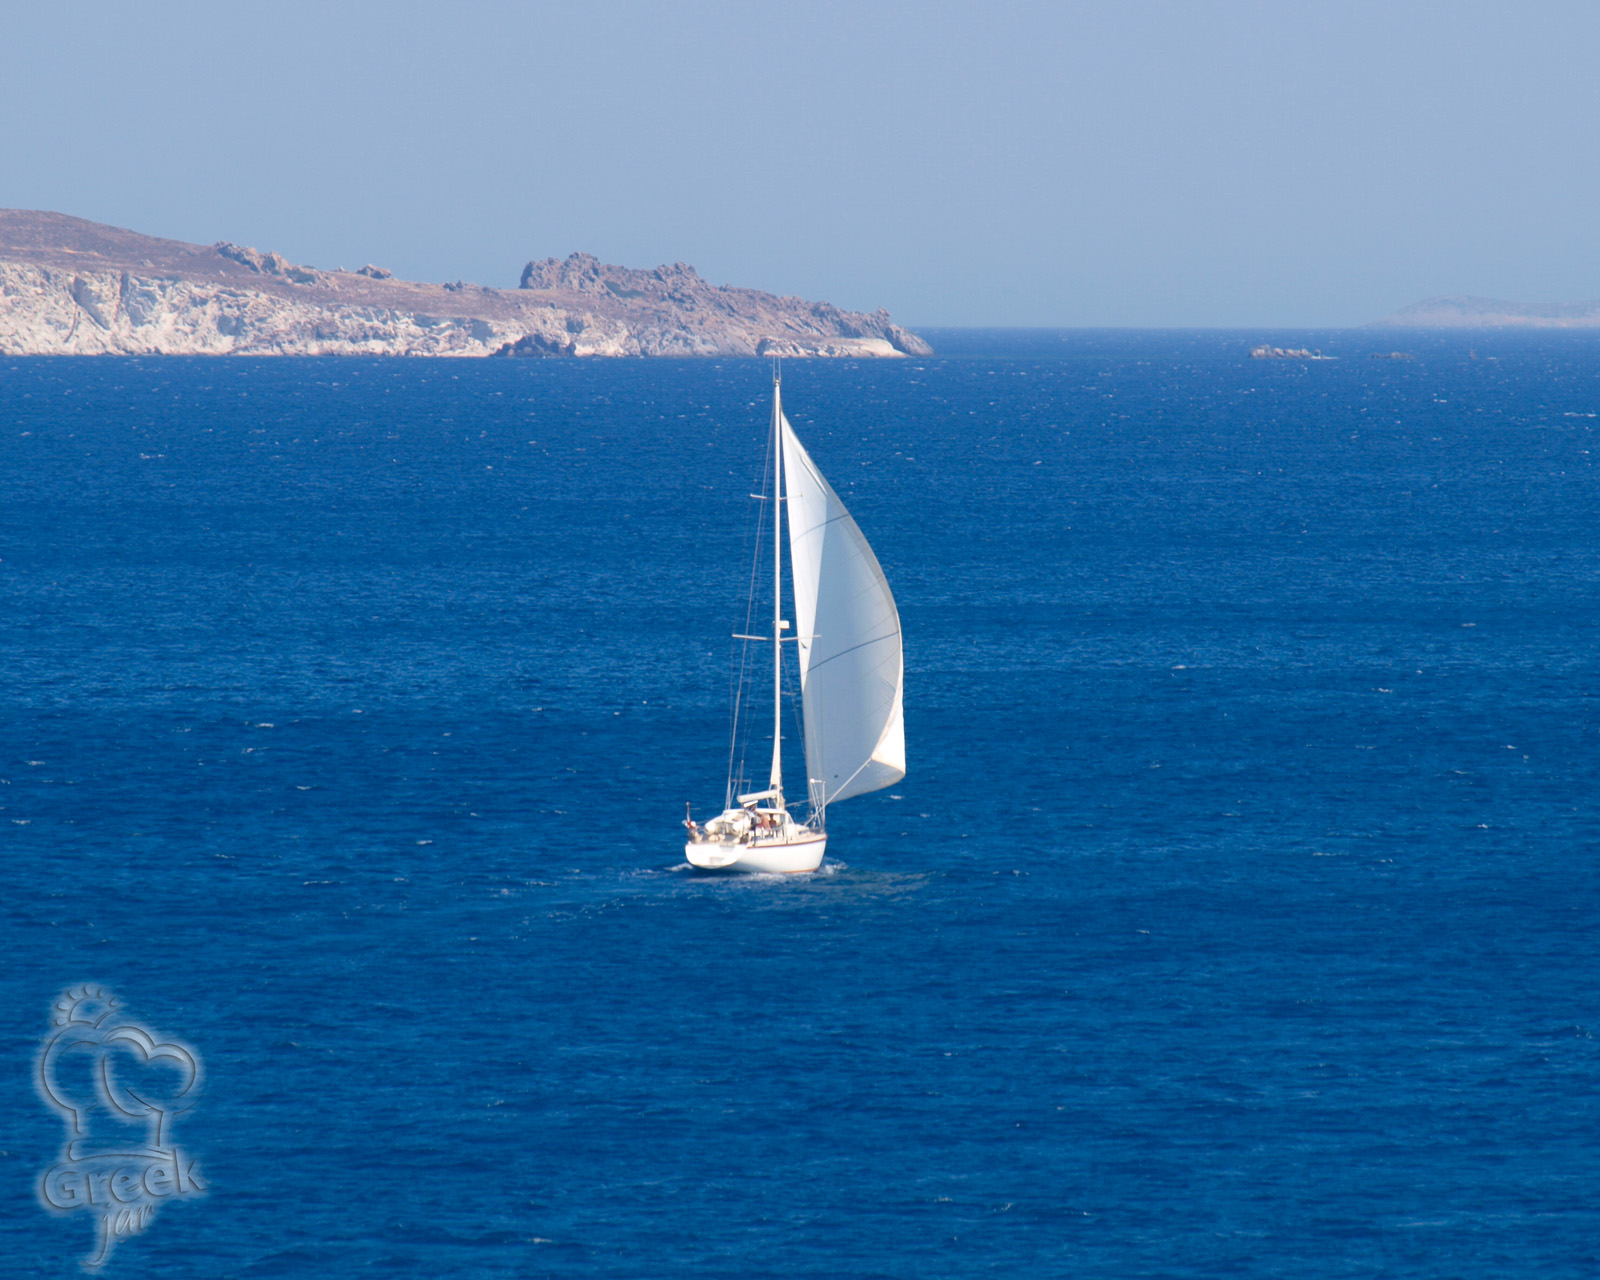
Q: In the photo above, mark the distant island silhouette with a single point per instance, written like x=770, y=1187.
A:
x=73, y=287
x=1491, y=313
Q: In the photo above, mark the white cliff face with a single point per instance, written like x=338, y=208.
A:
x=44, y=311
x=70, y=287
x=801, y=348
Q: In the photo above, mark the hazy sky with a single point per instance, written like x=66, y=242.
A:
x=1122, y=163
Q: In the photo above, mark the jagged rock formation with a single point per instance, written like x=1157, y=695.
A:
x=1489, y=313
x=672, y=311
x=68, y=286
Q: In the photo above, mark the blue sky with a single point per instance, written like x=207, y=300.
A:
x=1031, y=164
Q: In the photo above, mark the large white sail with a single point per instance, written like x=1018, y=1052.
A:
x=852, y=674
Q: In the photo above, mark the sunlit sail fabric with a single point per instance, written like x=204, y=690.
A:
x=852, y=674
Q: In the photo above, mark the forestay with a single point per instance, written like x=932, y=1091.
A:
x=852, y=674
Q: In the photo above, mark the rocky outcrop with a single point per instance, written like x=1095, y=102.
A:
x=672, y=311
x=272, y=264
x=1267, y=352
x=536, y=344
x=1490, y=313
x=73, y=287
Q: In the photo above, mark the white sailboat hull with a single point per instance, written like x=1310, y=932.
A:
x=784, y=857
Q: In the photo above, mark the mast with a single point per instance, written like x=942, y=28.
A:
x=776, y=783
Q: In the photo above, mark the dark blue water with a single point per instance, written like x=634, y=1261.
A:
x=1238, y=915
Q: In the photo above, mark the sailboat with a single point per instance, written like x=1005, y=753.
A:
x=852, y=676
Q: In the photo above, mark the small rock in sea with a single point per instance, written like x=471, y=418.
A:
x=1265, y=352
x=536, y=344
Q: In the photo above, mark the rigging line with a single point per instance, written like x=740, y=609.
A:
x=735, y=699
x=797, y=717
x=733, y=731
x=738, y=737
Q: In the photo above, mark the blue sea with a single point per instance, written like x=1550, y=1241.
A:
x=1237, y=917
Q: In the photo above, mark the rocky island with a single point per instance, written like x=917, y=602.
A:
x=72, y=287
x=1269, y=352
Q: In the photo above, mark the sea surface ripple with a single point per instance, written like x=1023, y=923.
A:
x=1237, y=916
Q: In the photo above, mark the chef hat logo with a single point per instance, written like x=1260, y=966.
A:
x=117, y=1084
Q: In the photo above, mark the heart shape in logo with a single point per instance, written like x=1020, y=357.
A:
x=143, y=1078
